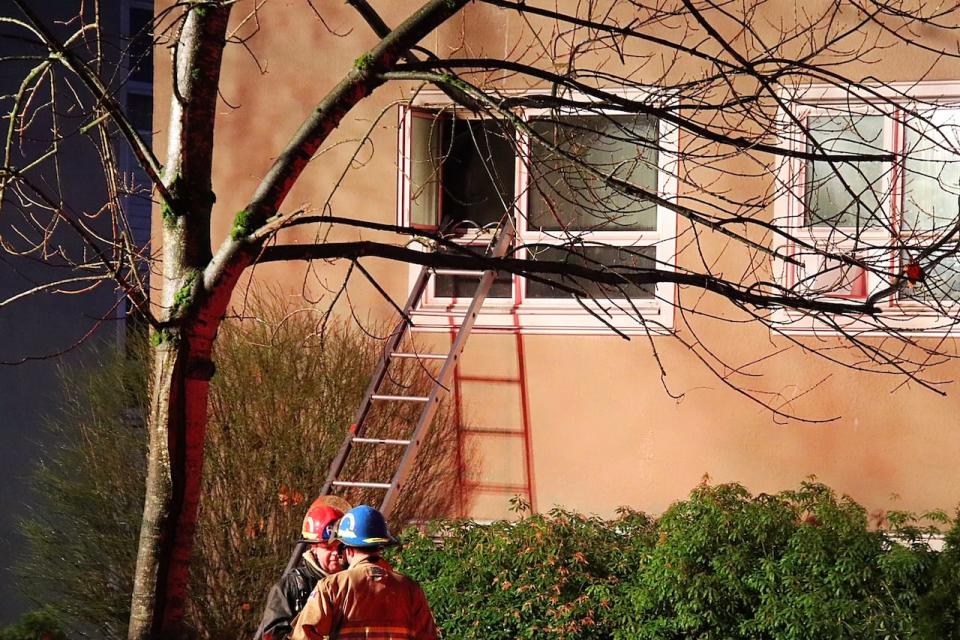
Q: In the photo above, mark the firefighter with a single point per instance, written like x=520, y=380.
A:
x=369, y=599
x=322, y=558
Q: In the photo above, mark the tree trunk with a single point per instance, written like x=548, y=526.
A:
x=196, y=286
x=177, y=424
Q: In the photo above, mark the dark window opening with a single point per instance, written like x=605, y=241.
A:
x=464, y=286
x=478, y=172
x=462, y=172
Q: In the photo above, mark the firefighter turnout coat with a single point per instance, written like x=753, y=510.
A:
x=368, y=601
x=286, y=599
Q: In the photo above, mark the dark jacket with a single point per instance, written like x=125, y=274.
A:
x=286, y=599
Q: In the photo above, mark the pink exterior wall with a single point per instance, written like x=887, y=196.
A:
x=591, y=427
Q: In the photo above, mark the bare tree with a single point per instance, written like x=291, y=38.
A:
x=809, y=194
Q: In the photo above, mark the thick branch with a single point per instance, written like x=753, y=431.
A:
x=379, y=27
x=613, y=276
x=358, y=84
x=237, y=251
x=198, y=53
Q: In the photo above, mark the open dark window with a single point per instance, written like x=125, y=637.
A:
x=462, y=171
x=461, y=182
x=586, y=189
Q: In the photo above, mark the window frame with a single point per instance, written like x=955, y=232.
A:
x=899, y=312
x=549, y=315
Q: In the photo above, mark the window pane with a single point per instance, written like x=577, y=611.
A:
x=932, y=177
x=564, y=196
x=596, y=257
x=825, y=276
x=140, y=112
x=941, y=282
x=448, y=286
x=478, y=172
x=464, y=286
x=140, y=45
x=426, y=140
x=848, y=194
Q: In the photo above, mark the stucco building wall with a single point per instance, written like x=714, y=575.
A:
x=585, y=422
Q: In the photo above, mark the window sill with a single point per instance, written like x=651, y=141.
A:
x=548, y=320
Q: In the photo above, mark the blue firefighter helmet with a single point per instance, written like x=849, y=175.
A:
x=364, y=526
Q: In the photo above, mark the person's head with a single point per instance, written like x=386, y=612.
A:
x=363, y=532
x=317, y=531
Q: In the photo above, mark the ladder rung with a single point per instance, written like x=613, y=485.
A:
x=401, y=398
x=381, y=441
x=458, y=272
x=367, y=485
x=420, y=356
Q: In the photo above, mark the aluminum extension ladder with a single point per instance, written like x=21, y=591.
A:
x=499, y=246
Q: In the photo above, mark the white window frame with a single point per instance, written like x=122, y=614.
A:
x=552, y=315
x=898, y=312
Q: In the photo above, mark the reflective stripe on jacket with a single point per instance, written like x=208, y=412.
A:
x=368, y=601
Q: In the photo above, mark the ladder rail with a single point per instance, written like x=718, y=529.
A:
x=442, y=381
x=500, y=246
x=360, y=417
x=420, y=285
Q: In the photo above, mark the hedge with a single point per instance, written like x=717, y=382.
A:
x=721, y=564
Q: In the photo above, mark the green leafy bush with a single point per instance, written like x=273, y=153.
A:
x=800, y=564
x=36, y=625
x=545, y=576
x=721, y=564
x=939, y=609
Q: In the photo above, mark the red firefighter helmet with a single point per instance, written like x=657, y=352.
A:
x=320, y=522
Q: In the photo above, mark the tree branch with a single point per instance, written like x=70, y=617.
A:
x=613, y=276
x=93, y=83
x=379, y=27
x=238, y=251
x=612, y=101
x=360, y=82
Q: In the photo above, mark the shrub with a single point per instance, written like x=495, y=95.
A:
x=721, y=564
x=800, y=564
x=36, y=625
x=286, y=389
x=83, y=529
x=545, y=576
x=939, y=609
